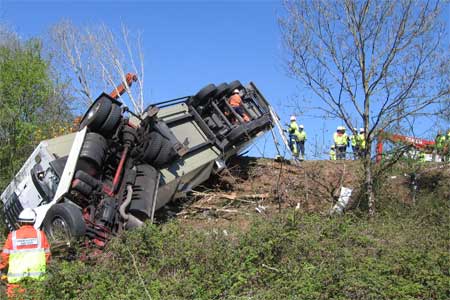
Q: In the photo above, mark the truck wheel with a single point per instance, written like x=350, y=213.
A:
x=234, y=85
x=63, y=223
x=96, y=114
x=82, y=187
x=153, y=147
x=94, y=148
x=205, y=93
x=222, y=90
x=92, y=154
x=111, y=121
x=85, y=177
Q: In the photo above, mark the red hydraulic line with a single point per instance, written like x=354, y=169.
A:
x=119, y=169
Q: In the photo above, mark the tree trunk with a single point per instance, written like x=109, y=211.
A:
x=369, y=185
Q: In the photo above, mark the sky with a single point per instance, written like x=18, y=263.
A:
x=189, y=44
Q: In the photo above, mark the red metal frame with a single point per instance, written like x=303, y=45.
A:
x=418, y=143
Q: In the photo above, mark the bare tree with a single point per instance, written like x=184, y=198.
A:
x=98, y=59
x=373, y=61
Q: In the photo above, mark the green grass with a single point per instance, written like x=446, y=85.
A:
x=400, y=254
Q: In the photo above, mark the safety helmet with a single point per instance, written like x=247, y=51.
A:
x=301, y=126
x=343, y=128
x=332, y=147
x=236, y=91
x=355, y=129
x=361, y=130
x=293, y=118
x=27, y=215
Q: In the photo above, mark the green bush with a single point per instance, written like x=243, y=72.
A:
x=400, y=254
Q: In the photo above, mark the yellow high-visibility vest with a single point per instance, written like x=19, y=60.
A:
x=332, y=154
x=340, y=140
x=301, y=136
x=361, y=141
x=30, y=263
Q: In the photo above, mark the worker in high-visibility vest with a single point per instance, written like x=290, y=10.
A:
x=446, y=153
x=332, y=153
x=361, y=141
x=293, y=132
x=421, y=156
x=301, y=139
x=439, y=144
x=235, y=102
x=341, y=141
x=25, y=253
x=354, y=143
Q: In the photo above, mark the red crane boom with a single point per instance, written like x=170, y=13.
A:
x=418, y=143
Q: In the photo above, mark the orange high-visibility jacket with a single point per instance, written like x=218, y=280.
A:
x=25, y=232
x=235, y=100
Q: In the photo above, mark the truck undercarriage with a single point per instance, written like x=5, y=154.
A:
x=119, y=168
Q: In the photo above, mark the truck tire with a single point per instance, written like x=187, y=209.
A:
x=153, y=147
x=92, y=154
x=82, y=187
x=205, y=93
x=85, y=177
x=96, y=114
x=111, y=121
x=222, y=90
x=94, y=148
x=234, y=85
x=64, y=222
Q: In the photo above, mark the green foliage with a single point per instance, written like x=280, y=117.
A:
x=31, y=103
x=402, y=253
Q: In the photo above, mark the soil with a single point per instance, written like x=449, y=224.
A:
x=261, y=187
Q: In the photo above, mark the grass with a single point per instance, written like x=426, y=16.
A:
x=400, y=254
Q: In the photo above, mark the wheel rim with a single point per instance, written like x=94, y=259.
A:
x=59, y=230
x=93, y=111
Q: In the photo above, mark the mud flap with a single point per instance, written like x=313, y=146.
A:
x=145, y=190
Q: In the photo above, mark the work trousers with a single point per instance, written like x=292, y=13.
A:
x=356, y=152
x=301, y=149
x=340, y=151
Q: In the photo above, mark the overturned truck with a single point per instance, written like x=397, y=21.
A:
x=120, y=167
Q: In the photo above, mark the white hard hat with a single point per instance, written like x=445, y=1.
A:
x=361, y=129
x=355, y=129
x=236, y=91
x=292, y=118
x=332, y=146
x=301, y=126
x=27, y=215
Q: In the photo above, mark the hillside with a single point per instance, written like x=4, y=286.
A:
x=261, y=230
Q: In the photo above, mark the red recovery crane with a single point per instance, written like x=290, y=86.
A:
x=417, y=143
x=119, y=90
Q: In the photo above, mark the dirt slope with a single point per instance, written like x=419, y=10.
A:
x=256, y=186
x=262, y=186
